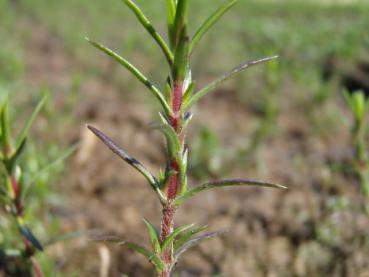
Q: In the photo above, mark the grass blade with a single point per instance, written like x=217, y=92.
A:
x=224, y=183
x=197, y=96
x=131, y=161
x=30, y=120
x=209, y=22
x=135, y=72
x=150, y=28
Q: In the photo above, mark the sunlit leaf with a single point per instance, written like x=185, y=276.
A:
x=153, y=236
x=174, y=146
x=186, y=236
x=224, y=183
x=150, y=28
x=30, y=120
x=131, y=161
x=209, y=22
x=193, y=242
x=135, y=72
x=169, y=240
x=210, y=87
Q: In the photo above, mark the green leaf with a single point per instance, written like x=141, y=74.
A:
x=193, y=242
x=5, y=129
x=62, y=238
x=209, y=22
x=180, y=23
x=154, y=259
x=65, y=155
x=30, y=120
x=10, y=163
x=169, y=240
x=186, y=236
x=153, y=236
x=150, y=28
x=171, y=13
x=183, y=171
x=223, y=183
x=189, y=91
x=135, y=72
x=174, y=145
x=197, y=96
x=131, y=161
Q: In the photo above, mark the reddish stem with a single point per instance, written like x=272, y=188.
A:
x=36, y=268
x=173, y=182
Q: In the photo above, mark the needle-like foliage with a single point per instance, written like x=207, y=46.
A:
x=179, y=96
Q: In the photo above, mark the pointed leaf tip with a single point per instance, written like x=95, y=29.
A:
x=128, y=159
x=224, y=183
x=211, y=86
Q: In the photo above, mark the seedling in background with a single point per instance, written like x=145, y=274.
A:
x=14, y=190
x=359, y=107
x=177, y=98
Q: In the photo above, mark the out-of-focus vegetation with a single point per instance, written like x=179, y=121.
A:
x=305, y=34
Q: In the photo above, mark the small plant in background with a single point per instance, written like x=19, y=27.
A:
x=359, y=106
x=177, y=99
x=16, y=250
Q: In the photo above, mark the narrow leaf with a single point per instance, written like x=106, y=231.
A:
x=154, y=259
x=171, y=13
x=26, y=232
x=196, y=97
x=180, y=23
x=62, y=238
x=169, y=240
x=193, y=242
x=150, y=28
x=131, y=161
x=30, y=120
x=174, y=145
x=153, y=236
x=135, y=72
x=12, y=161
x=5, y=129
x=209, y=22
x=186, y=236
x=183, y=171
x=188, y=93
x=223, y=183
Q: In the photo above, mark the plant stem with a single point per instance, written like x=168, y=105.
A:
x=174, y=181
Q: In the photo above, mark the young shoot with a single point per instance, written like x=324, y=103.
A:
x=179, y=96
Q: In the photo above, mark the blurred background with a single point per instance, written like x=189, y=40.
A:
x=284, y=121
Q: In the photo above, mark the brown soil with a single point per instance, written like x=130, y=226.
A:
x=271, y=233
